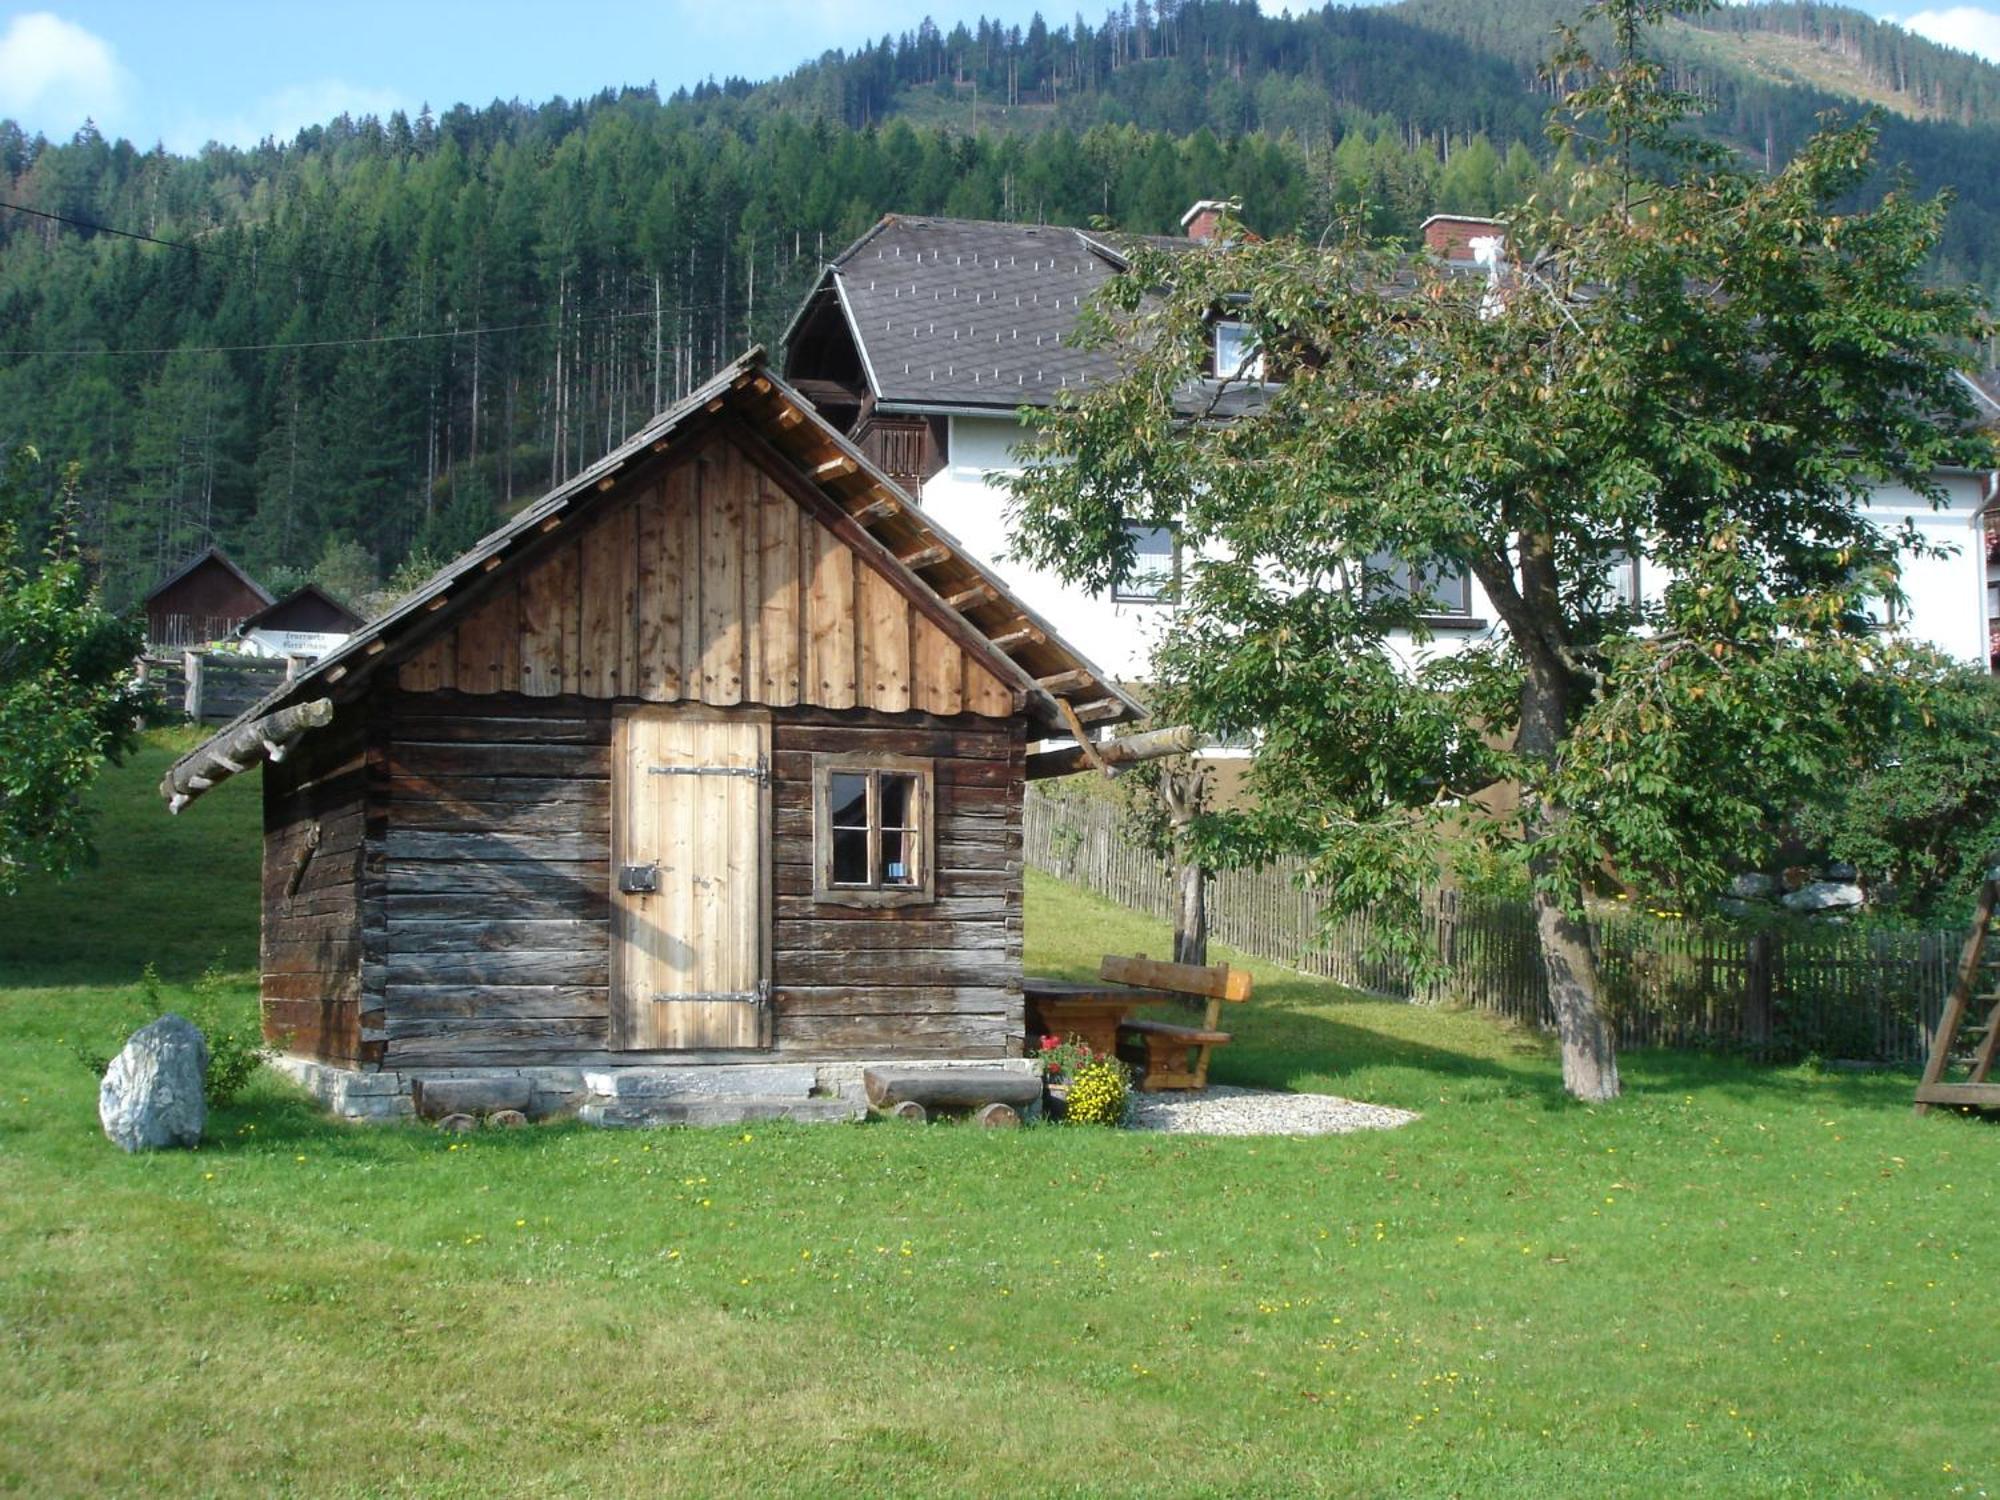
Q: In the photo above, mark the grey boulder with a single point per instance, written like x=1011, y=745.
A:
x=1825, y=895
x=151, y=1096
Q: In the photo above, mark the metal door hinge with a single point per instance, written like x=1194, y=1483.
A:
x=759, y=996
x=759, y=773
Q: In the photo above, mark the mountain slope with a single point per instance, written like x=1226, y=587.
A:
x=379, y=336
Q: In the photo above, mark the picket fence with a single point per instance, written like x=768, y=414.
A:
x=1839, y=991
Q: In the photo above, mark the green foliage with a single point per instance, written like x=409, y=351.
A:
x=1918, y=814
x=1687, y=363
x=317, y=388
x=235, y=1049
x=68, y=695
x=346, y=571
x=1099, y=1093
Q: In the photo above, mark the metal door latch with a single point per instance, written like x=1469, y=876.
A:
x=759, y=996
x=759, y=773
x=639, y=880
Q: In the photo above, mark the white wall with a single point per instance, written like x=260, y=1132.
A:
x=969, y=499
x=1947, y=595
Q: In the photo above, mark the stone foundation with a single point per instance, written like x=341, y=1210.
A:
x=696, y=1094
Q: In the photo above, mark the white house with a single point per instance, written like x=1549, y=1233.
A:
x=924, y=339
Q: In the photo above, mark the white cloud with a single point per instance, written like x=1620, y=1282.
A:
x=54, y=75
x=286, y=111
x=1970, y=28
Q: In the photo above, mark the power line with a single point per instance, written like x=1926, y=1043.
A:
x=148, y=239
x=380, y=338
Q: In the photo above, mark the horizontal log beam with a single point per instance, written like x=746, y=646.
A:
x=238, y=749
x=1113, y=755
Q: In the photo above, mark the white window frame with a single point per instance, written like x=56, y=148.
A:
x=1149, y=587
x=1245, y=361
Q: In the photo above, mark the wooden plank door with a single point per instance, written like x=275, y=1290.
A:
x=691, y=820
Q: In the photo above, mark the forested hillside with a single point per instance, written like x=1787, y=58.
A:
x=380, y=336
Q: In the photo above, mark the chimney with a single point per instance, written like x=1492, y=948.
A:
x=1452, y=235
x=1200, y=221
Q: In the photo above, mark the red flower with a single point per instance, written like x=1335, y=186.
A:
x=1050, y=1043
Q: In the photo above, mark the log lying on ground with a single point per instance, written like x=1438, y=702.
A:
x=240, y=748
x=1128, y=750
x=950, y=1088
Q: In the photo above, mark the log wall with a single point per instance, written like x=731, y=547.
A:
x=315, y=832
x=489, y=941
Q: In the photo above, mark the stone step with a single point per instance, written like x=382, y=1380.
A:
x=718, y=1109
x=752, y=1080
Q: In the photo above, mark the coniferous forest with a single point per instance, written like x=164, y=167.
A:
x=352, y=352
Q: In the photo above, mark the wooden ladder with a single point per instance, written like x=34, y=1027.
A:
x=1978, y=983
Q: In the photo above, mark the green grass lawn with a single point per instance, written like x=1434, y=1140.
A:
x=1736, y=1280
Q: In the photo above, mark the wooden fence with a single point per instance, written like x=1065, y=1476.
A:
x=1838, y=991
x=212, y=687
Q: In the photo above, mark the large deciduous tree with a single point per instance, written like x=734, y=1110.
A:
x=1676, y=361
x=68, y=695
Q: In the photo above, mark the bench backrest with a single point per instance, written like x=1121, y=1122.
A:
x=1215, y=982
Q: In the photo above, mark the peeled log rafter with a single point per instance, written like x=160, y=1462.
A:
x=242, y=746
x=1130, y=750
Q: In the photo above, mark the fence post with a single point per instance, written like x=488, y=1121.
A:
x=1757, y=1011
x=191, y=700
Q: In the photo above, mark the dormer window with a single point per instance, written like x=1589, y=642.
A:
x=1155, y=577
x=1236, y=354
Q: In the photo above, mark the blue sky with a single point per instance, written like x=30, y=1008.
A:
x=184, y=72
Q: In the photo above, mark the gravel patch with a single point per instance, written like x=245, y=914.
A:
x=1223, y=1110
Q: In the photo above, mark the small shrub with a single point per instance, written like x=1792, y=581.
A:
x=1098, y=1093
x=235, y=1051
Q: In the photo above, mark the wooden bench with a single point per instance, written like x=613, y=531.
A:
x=1169, y=1056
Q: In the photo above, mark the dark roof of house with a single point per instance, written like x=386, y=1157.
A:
x=1053, y=678
x=211, y=554
x=970, y=313
x=330, y=608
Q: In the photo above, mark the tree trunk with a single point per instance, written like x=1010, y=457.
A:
x=1183, y=788
x=1191, y=916
x=1589, y=1045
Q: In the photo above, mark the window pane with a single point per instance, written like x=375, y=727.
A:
x=1152, y=575
x=898, y=867
x=899, y=801
x=1234, y=358
x=850, y=800
x=850, y=856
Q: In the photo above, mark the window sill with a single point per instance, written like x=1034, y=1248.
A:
x=875, y=900
x=1457, y=623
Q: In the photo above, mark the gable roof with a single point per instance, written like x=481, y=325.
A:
x=969, y=314
x=1051, y=679
x=215, y=555
x=304, y=593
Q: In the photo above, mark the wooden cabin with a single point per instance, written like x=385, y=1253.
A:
x=307, y=622
x=704, y=772
x=203, y=600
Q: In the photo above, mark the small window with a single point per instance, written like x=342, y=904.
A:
x=872, y=827
x=1447, y=592
x=1621, y=583
x=1236, y=353
x=1156, y=568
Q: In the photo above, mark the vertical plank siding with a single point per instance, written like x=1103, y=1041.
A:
x=1850, y=992
x=712, y=587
